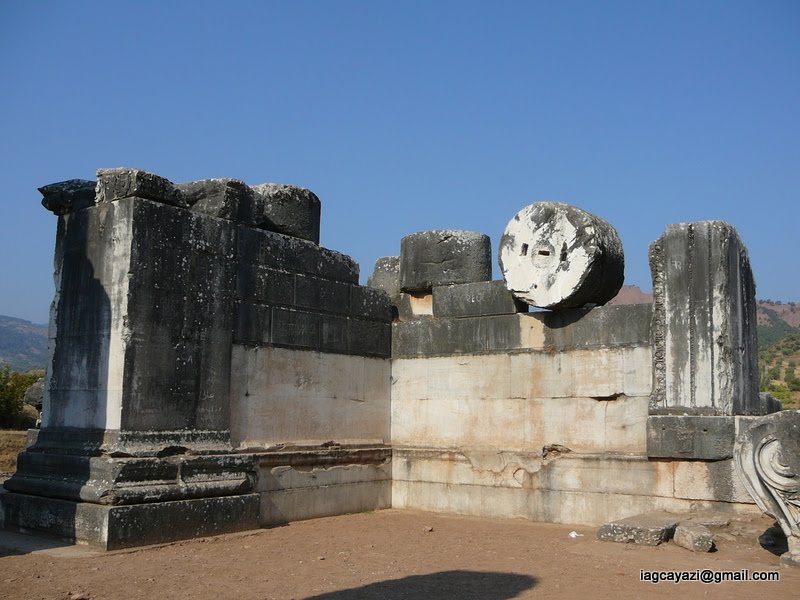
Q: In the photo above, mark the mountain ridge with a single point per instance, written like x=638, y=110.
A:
x=23, y=344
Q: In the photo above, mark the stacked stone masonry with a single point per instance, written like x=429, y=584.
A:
x=213, y=369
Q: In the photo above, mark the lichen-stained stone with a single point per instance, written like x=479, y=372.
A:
x=120, y=183
x=285, y=209
x=554, y=255
x=221, y=198
x=68, y=196
x=442, y=257
x=386, y=275
x=259, y=248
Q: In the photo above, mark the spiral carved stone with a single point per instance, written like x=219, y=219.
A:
x=767, y=456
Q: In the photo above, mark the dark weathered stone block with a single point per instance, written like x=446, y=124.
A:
x=180, y=320
x=370, y=338
x=114, y=527
x=263, y=285
x=440, y=337
x=334, y=334
x=611, y=326
x=268, y=249
x=324, y=295
x=285, y=209
x=68, y=196
x=370, y=303
x=221, y=198
x=115, y=480
x=442, y=257
x=295, y=328
x=475, y=299
x=253, y=324
x=386, y=275
x=690, y=436
x=117, y=184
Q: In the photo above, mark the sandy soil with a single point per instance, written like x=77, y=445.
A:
x=385, y=555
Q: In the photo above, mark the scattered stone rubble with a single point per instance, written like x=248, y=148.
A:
x=696, y=531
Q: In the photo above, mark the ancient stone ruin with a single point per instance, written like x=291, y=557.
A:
x=212, y=369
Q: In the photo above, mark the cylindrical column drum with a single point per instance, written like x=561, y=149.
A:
x=555, y=255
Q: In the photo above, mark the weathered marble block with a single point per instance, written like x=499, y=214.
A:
x=705, y=356
x=554, y=255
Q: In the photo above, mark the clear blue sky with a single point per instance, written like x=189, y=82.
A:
x=405, y=116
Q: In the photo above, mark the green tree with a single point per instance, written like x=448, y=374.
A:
x=12, y=390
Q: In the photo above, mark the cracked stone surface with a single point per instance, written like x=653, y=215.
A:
x=555, y=255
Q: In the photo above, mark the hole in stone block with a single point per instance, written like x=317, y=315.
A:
x=544, y=252
x=524, y=249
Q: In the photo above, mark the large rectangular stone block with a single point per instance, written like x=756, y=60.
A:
x=709, y=480
x=296, y=504
x=121, y=183
x=322, y=467
x=370, y=303
x=282, y=396
x=616, y=325
x=221, y=198
x=264, y=285
x=253, y=324
x=704, y=322
x=690, y=436
x=475, y=299
x=295, y=328
x=606, y=326
x=442, y=257
x=370, y=338
x=114, y=527
x=318, y=294
x=270, y=249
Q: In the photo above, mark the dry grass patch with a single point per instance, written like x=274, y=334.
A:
x=11, y=444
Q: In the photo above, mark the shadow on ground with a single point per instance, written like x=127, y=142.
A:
x=13, y=543
x=440, y=586
x=774, y=540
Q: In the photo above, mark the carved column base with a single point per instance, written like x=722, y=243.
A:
x=767, y=455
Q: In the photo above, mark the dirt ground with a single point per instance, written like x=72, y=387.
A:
x=386, y=555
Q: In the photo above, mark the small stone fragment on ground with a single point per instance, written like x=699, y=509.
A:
x=648, y=529
x=694, y=537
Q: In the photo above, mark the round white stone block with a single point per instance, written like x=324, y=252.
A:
x=555, y=255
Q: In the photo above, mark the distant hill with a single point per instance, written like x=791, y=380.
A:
x=775, y=320
x=777, y=364
x=23, y=345
x=632, y=294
